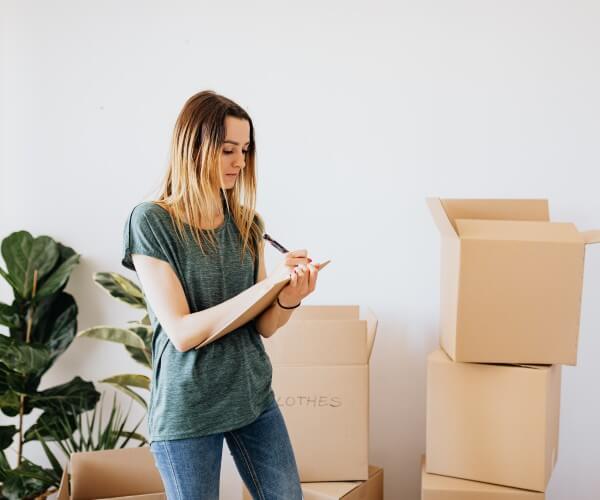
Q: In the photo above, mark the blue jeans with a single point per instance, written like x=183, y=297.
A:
x=190, y=468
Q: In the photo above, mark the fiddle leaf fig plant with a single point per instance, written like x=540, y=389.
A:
x=41, y=323
x=136, y=338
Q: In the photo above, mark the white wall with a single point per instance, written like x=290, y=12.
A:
x=362, y=110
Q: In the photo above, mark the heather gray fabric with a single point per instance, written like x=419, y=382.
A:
x=226, y=384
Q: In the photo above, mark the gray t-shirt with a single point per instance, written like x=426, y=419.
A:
x=223, y=385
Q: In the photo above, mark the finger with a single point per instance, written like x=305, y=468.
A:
x=300, y=272
x=298, y=253
x=296, y=261
x=304, y=277
x=294, y=279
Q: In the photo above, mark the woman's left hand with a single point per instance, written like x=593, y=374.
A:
x=303, y=282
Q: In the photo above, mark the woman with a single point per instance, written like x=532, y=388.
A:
x=198, y=252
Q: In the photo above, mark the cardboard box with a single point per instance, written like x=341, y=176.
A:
x=123, y=474
x=321, y=380
x=372, y=489
x=434, y=487
x=492, y=423
x=511, y=281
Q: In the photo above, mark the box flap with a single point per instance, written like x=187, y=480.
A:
x=437, y=483
x=114, y=473
x=591, y=236
x=336, y=489
x=496, y=209
x=559, y=232
x=441, y=218
x=439, y=356
x=319, y=342
x=63, y=489
x=372, y=323
x=326, y=312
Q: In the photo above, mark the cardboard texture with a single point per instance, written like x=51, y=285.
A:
x=256, y=303
x=492, y=423
x=127, y=473
x=372, y=489
x=321, y=380
x=435, y=487
x=511, y=281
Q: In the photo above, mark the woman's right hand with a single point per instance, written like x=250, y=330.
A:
x=291, y=260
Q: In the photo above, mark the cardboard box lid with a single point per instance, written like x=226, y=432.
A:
x=439, y=356
x=435, y=482
x=325, y=335
x=592, y=236
x=111, y=473
x=559, y=232
x=446, y=211
x=337, y=489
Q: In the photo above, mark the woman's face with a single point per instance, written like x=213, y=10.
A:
x=233, y=151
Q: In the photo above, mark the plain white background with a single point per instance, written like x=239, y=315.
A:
x=362, y=109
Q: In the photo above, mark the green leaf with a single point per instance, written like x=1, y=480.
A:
x=9, y=404
x=28, y=480
x=14, y=384
x=5, y=373
x=11, y=281
x=24, y=254
x=9, y=316
x=58, y=278
x=7, y=433
x=52, y=426
x=77, y=395
x=25, y=359
x=121, y=288
x=4, y=467
x=132, y=435
x=113, y=334
x=131, y=393
x=129, y=379
x=55, y=323
x=140, y=355
x=64, y=327
x=58, y=470
x=143, y=356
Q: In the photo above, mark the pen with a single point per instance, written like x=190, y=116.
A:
x=278, y=246
x=282, y=249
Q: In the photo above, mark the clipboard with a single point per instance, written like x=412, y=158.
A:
x=255, y=305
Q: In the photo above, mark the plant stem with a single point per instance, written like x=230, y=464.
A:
x=27, y=340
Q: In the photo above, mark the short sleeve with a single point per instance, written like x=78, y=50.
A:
x=144, y=233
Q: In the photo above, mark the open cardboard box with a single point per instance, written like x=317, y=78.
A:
x=123, y=474
x=492, y=423
x=372, y=489
x=511, y=281
x=321, y=380
x=435, y=487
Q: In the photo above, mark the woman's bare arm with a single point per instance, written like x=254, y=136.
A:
x=167, y=299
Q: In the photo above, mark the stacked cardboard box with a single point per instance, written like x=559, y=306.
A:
x=511, y=284
x=321, y=380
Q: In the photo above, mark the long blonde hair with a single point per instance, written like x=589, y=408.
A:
x=192, y=186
